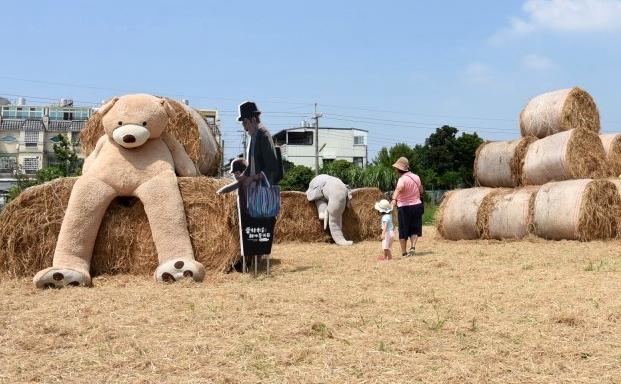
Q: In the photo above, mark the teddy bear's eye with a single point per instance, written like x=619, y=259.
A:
x=120, y=123
x=144, y=123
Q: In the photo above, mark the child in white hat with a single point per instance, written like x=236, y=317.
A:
x=385, y=209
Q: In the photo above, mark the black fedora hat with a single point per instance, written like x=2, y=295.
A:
x=248, y=109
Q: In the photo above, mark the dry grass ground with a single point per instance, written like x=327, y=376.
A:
x=468, y=311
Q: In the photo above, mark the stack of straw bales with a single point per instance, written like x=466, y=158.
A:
x=550, y=182
x=30, y=224
x=612, y=147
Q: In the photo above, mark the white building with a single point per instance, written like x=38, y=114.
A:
x=297, y=145
x=28, y=133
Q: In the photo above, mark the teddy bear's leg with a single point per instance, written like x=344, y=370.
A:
x=88, y=202
x=164, y=208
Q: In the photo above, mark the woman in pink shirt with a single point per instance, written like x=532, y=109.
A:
x=407, y=198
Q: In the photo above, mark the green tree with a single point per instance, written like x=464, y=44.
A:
x=450, y=157
x=379, y=176
x=339, y=168
x=467, y=145
x=22, y=181
x=297, y=178
x=69, y=162
x=387, y=157
x=450, y=179
x=439, y=150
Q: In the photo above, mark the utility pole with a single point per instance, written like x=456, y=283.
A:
x=316, y=117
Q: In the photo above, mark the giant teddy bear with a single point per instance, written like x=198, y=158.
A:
x=135, y=157
x=331, y=196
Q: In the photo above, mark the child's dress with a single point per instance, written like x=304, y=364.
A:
x=387, y=242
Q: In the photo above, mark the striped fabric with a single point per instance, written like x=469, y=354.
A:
x=263, y=200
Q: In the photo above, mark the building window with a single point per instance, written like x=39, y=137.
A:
x=358, y=140
x=300, y=138
x=35, y=113
x=359, y=161
x=7, y=164
x=32, y=138
x=31, y=165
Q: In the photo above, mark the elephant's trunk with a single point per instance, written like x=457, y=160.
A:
x=335, y=218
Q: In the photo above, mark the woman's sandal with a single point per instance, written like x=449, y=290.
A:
x=412, y=252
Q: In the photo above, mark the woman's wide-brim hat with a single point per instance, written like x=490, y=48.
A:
x=383, y=206
x=248, y=109
x=402, y=164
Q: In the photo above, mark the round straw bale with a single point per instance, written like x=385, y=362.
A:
x=209, y=152
x=298, y=220
x=558, y=111
x=511, y=215
x=485, y=208
x=572, y=154
x=612, y=147
x=187, y=125
x=577, y=210
x=617, y=182
x=457, y=215
x=499, y=163
x=29, y=228
x=360, y=220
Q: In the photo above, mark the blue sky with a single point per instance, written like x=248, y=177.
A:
x=396, y=68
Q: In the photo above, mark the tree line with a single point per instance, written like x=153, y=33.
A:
x=445, y=161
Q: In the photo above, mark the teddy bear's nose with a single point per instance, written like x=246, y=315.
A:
x=129, y=139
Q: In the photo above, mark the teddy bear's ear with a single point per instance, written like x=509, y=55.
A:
x=168, y=108
x=106, y=107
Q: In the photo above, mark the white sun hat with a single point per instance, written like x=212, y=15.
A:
x=383, y=206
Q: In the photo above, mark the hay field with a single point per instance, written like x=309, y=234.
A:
x=533, y=311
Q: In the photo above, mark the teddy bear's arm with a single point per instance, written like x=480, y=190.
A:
x=183, y=164
x=90, y=158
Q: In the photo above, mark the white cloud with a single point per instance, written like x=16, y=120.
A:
x=478, y=73
x=563, y=16
x=538, y=63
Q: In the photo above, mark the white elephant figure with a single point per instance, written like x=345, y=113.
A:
x=331, y=196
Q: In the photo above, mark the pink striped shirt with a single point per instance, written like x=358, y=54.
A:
x=409, y=192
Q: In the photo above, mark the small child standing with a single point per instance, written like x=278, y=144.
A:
x=385, y=209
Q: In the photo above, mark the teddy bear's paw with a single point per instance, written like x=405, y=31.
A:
x=177, y=269
x=55, y=277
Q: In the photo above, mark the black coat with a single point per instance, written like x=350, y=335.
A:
x=264, y=157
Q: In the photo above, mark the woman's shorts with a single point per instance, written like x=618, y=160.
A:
x=387, y=242
x=410, y=220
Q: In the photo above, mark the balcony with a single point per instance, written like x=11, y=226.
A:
x=30, y=148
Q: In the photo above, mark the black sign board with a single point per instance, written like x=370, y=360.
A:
x=257, y=235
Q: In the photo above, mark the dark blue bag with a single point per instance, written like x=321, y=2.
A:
x=263, y=199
